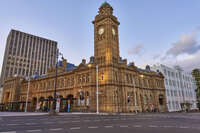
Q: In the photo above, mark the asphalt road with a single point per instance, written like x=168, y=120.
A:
x=141, y=123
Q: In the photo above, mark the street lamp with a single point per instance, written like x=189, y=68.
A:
x=29, y=79
x=135, y=96
x=117, y=92
x=97, y=90
x=27, y=95
x=53, y=110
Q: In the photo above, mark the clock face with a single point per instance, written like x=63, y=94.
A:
x=101, y=31
x=113, y=31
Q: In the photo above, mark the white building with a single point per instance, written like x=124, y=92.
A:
x=180, y=88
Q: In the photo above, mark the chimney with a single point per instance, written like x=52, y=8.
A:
x=83, y=61
x=92, y=59
x=124, y=61
x=64, y=63
x=132, y=64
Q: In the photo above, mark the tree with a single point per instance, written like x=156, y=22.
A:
x=196, y=75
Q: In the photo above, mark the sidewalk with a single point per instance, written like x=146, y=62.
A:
x=45, y=113
x=61, y=113
x=21, y=113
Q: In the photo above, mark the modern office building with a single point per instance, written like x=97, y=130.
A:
x=180, y=88
x=26, y=54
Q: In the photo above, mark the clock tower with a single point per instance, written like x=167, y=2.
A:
x=106, y=39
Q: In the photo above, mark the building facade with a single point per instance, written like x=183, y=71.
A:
x=26, y=54
x=1, y=93
x=180, y=88
x=196, y=75
x=122, y=87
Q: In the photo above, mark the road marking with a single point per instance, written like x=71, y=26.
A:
x=87, y=120
x=48, y=122
x=137, y=125
x=15, y=120
x=108, y=126
x=152, y=126
x=56, y=129
x=93, y=127
x=75, y=121
x=13, y=124
x=44, y=119
x=32, y=119
x=74, y=128
x=63, y=122
x=37, y=130
x=30, y=123
x=183, y=127
x=123, y=126
x=9, y=132
x=166, y=126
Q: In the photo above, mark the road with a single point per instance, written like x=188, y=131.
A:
x=90, y=123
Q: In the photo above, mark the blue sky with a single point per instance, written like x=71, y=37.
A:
x=151, y=31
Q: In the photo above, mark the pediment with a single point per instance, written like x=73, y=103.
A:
x=81, y=66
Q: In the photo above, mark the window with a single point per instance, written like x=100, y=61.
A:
x=166, y=81
x=165, y=72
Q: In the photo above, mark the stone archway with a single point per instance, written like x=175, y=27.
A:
x=161, y=103
x=34, y=103
x=70, y=102
x=161, y=99
x=41, y=102
x=142, y=102
x=49, y=103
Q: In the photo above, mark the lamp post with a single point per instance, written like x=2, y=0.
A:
x=97, y=90
x=53, y=109
x=29, y=79
x=118, y=111
x=27, y=95
x=135, y=96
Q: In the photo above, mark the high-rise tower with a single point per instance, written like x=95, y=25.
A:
x=26, y=54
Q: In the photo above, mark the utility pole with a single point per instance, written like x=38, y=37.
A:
x=118, y=100
x=53, y=109
x=135, y=96
x=97, y=91
x=27, y=95
x=29, y=80
x=54, y=100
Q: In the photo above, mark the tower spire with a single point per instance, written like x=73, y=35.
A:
x=105, y=9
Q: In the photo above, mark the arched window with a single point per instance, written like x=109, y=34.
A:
x=161, y=98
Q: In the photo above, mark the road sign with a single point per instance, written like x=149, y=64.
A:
x=57, y=104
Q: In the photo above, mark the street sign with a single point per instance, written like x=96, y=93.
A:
x=57, y=104
x=38, y=106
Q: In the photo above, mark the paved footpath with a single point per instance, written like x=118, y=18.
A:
x=91, y=123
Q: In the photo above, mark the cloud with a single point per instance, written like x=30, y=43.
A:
x=186, y=44
x=198, y=28
x=191, y=62
x=136, y=50
x=156, y=56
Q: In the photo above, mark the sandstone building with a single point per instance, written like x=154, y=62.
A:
x=122, y=87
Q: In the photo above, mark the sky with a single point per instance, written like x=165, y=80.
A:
x=150, y=32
